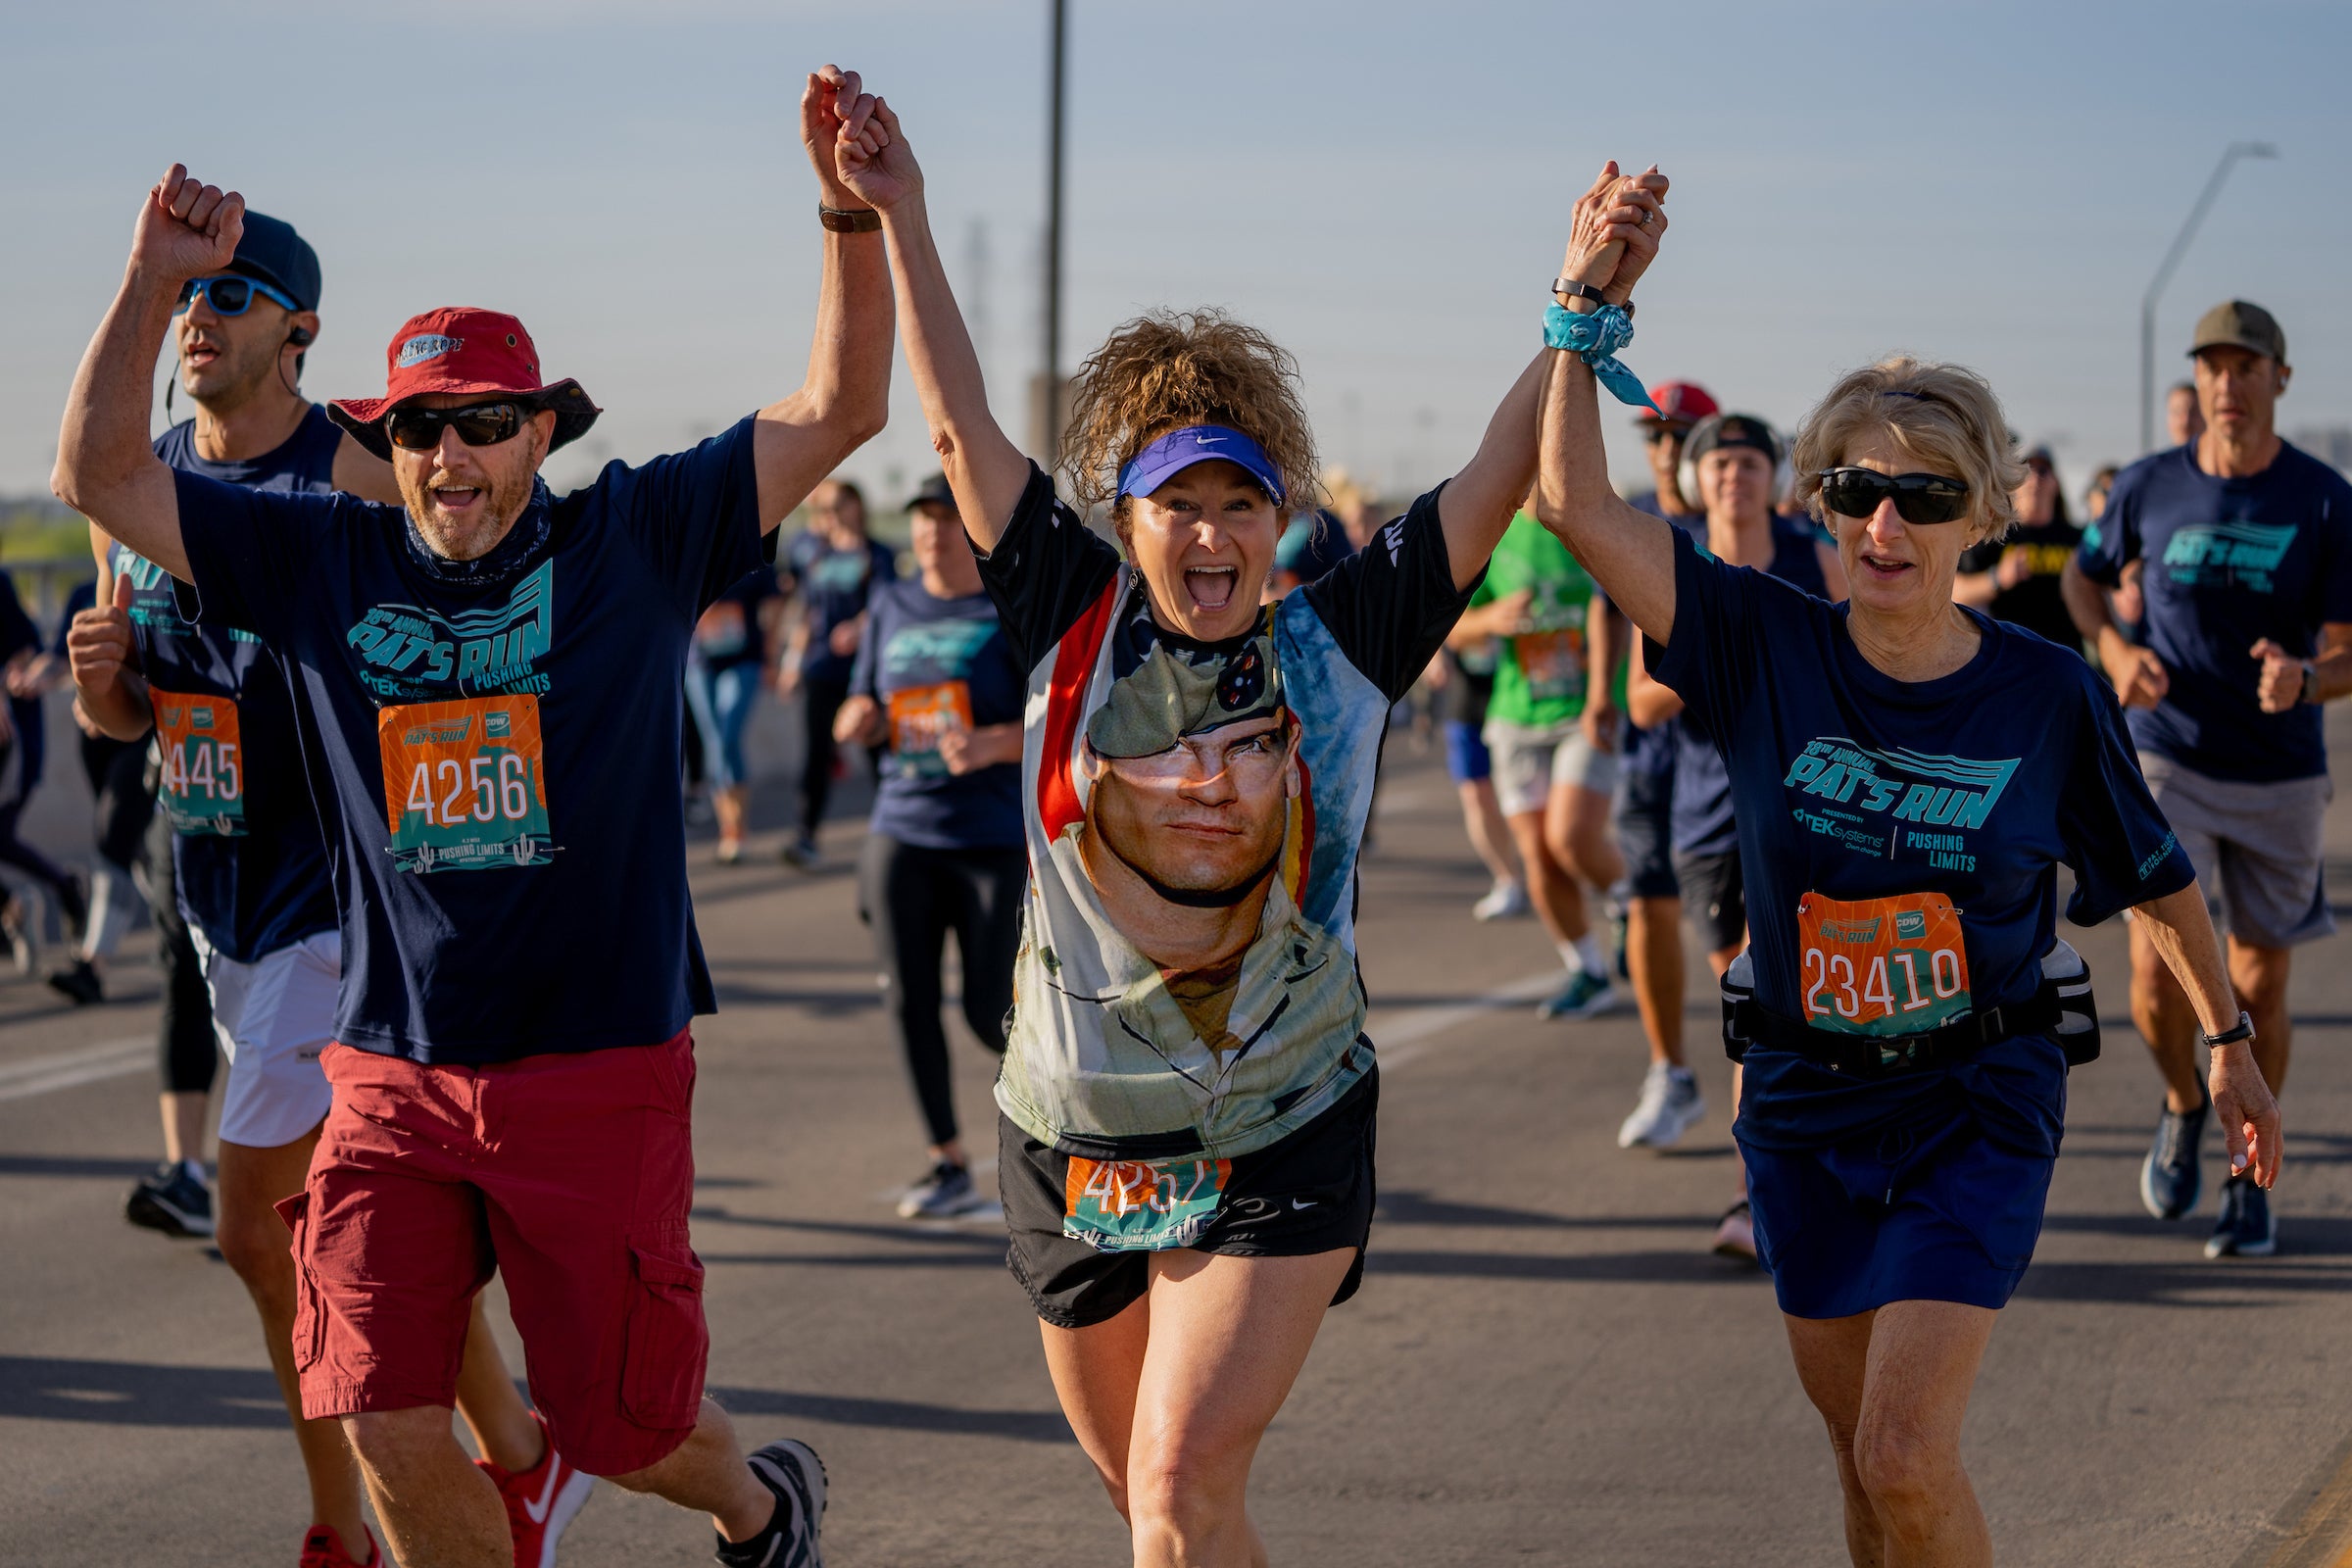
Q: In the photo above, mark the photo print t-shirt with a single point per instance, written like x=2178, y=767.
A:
x=934, y=665
x=501, y=739
x=2229, y=561
x=247, y=849
x=1900, y=841
x=1160, y=775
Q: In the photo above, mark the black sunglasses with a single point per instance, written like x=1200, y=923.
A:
x=478, y=425
x=1917, y=497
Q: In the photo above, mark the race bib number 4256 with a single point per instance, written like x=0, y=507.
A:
x=465, y=785
x=203, y=786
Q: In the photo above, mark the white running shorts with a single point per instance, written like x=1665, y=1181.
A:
x=273, y=1016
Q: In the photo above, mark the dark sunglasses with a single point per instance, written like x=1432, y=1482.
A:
x=1666, y=432
x=478, y=425
x=1917, y=497
x=229, y=295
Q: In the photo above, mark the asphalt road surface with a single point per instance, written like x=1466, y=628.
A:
x=1544, y=1365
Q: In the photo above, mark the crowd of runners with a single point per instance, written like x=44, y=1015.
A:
x=1842, y=698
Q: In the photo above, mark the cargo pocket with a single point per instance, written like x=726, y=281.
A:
x=309, y=1313
x=661, y=1374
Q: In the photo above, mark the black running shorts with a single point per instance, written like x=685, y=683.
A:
x=1715, y=896
x=1310, y=1193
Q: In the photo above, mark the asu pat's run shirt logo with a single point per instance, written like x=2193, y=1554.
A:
x=408, y=652
x=1878, y=802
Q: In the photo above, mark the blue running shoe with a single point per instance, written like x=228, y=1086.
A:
x=1585, y=996
x=2247, y=1227
x=2171, y=1179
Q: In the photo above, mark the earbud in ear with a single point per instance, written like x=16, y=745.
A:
x=300, y=337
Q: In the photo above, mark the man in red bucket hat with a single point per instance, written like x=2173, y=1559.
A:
x=490, y=682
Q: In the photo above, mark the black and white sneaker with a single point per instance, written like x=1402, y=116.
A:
x=945, y=1191
x=2247, y=1228
x=791, y=1471
x=78, y=983
x=2171, y=1179
x=174, y=1201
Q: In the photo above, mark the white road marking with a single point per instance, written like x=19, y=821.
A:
x=70, y=1069
x=1402, y=1037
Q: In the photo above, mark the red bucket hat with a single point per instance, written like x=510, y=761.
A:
x=466, y=350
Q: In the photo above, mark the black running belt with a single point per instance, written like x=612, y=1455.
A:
x=1872, y=1056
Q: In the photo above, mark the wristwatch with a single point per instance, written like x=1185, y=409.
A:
x=1585, y=291
x=849, y=219
x=2310, y=683
x=2231, y=1037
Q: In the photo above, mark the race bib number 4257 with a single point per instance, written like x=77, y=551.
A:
x=465, y=785
x=203, y=786
x=1134, y=1206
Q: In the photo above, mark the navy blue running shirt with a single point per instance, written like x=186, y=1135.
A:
x=2229, y=561
x=1877, y=815
x=834, y=584
x=247, y=849
x=936, y=665
x=501, y=739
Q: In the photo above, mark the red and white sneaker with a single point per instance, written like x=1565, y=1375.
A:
x=323, y=1548
x=541, y=1501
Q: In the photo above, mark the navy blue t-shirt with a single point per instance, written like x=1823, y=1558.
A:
x=18, y=635
x=834, y=585
x=502, y=738
x=936, y=665
x=2229, y=561
x=730, y=633
x=1702, y=787
x=1651, y=751
x=1900, y=841
x=247, y=849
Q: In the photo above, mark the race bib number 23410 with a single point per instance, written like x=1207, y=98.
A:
x=465, y=784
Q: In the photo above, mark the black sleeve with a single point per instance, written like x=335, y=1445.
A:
x=694, y=514
x=1046, y=568
x=1390, y=604
x=2117, y=842
x=1982, y=557
x=251, y=550
x=17, y=630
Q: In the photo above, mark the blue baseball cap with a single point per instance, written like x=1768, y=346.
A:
x=272, y=253
x=1179, y=450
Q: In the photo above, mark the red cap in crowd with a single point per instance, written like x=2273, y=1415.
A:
x=1679, y=403
x=470, y=351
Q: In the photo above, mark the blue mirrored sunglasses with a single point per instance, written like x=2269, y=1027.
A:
x=229, y=294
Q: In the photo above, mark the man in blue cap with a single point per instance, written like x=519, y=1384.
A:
x=241, y=882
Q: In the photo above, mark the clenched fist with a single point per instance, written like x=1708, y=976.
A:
x=98, y=644
x=186, y=229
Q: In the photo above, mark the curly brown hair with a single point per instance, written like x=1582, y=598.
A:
x=1170, y=369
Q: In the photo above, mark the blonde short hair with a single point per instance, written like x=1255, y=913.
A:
x=1943, y=415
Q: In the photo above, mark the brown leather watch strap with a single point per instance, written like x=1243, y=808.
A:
x=849, y=219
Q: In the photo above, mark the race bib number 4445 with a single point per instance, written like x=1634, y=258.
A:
x=203, y=786
x=1882, y=966
x=465, y=785
x=1135, y=1205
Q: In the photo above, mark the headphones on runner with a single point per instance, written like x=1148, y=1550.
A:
x=298, y=337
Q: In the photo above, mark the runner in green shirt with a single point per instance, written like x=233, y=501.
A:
x=1551, y=727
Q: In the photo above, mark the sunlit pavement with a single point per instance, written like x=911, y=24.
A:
x=1546, y=1365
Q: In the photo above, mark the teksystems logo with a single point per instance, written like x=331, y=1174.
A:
x=426, y=346
x=2229, y=555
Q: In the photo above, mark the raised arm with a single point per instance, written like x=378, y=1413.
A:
x=106, y=469
x=845, y=400
x=1628, y=553
x=983, y=469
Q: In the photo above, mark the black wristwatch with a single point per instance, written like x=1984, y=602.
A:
x=2310, y=694
x=1585, y=291
x=849, y=219
x=2231, y=1037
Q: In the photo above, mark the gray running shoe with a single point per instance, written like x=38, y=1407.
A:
x=1670, y=1102
x=791, y=1471
x=2247, y=1227
x=944, y=1192
x=2171, y=1179
x=800, y=851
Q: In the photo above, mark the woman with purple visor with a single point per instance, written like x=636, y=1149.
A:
x=1185, y=1140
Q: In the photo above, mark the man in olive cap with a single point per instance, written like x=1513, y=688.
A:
x=2247, y=545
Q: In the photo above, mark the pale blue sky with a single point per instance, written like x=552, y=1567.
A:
x=1383, y=187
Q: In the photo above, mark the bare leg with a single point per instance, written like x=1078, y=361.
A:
x=436, y=1505
x=730, y=805
x=1096, y=1370
x=184, y=1125
x=500, y=1423
x=2259, y=977
x=1551, y=886
x=1577, y=828
x=1490, y=835
x=254, y=1242
x=1653, y=953
x=1900, y=1444
x=2168, y=1024
x=709, y=1473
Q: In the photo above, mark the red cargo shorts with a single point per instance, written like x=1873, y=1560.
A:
x=572, y=1175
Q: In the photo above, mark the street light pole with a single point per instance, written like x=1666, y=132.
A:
x=2164, y=274
x=1047, y=404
